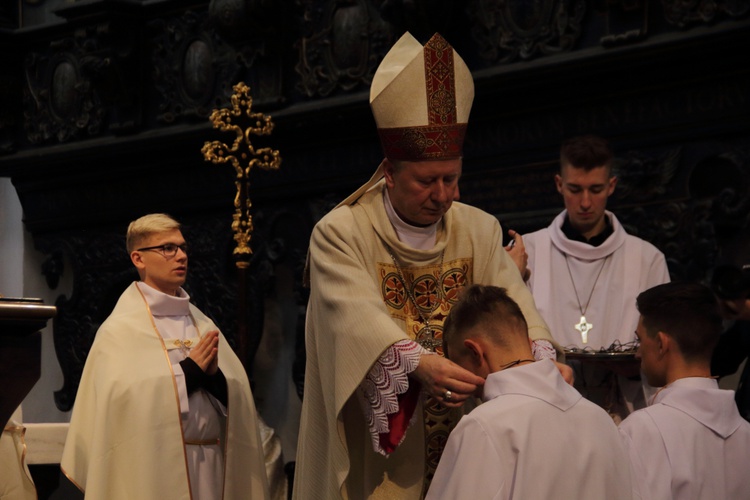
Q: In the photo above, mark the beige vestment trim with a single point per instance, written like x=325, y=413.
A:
x=15, y=479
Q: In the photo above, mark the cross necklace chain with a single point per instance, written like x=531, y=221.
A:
x=426, y=337
x=583, y=326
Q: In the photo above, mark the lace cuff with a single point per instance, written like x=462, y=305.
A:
x=543, y=349
x=379, y=391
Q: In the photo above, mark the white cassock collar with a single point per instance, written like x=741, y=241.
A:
x=162, y=304
x=419, y=238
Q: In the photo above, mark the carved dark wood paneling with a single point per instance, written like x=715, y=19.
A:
x=730, y=210
x=10, y=105
x=342, y=43
x=423, y=18
x=83, y=85
x=193, y=67
x=101, y=271
x=645, y=178
x=198, y=55
x=626, y=21
x=508, y=31
x=684, y=13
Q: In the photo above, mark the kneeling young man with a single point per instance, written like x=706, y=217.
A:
x=534, y=436
x=690, y=442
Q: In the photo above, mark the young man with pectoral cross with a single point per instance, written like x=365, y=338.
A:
x=691, y=441
x=586, y=272
x=164, y=408
x=534, y=436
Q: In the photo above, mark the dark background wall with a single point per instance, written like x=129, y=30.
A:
x=104, y=107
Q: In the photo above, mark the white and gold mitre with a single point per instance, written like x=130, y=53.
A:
x=421, y=98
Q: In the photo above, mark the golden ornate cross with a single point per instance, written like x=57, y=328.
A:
x=243, y=156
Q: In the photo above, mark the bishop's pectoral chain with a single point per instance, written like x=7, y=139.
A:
x=426, y=339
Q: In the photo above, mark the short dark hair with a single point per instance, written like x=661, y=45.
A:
x=587, y=152
x=688, y=312
x=483, y=304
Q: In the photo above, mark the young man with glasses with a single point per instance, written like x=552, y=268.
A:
x=164, y=408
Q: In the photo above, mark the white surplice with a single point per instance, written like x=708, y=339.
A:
x=202, y=414
x=691, y=443
x=570, y=276
x=625, y=266
x=534, y=437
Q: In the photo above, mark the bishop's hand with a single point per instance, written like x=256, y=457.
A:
x=438, y=375
x=517, y=251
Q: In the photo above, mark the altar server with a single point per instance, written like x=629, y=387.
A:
x=534, y=436
x=690, y=442
x=586, y=272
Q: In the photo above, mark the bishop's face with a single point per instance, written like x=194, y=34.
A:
x=421, y=192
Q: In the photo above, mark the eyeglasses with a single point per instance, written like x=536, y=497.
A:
x=168, y=250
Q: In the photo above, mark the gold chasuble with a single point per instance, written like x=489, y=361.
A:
x=358, y=307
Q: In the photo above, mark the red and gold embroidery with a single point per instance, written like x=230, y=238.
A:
x=442, y=137
x=435, y=289
x=440, y=81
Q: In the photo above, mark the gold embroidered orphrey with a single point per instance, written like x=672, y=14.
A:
x=426, y=336
x=435, y=289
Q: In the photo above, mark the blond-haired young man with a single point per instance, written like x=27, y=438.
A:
x=164, y=408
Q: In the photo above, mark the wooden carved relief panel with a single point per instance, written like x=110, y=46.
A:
x=198, y=55
x=508, y=30
x=193, y=68
x=82, y=86
x=682, y=13
x=341, y=44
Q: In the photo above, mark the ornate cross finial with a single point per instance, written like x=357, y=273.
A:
x=243, y=157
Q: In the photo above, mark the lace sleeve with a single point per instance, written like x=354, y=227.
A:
x=380, y=390
x=543, y=349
